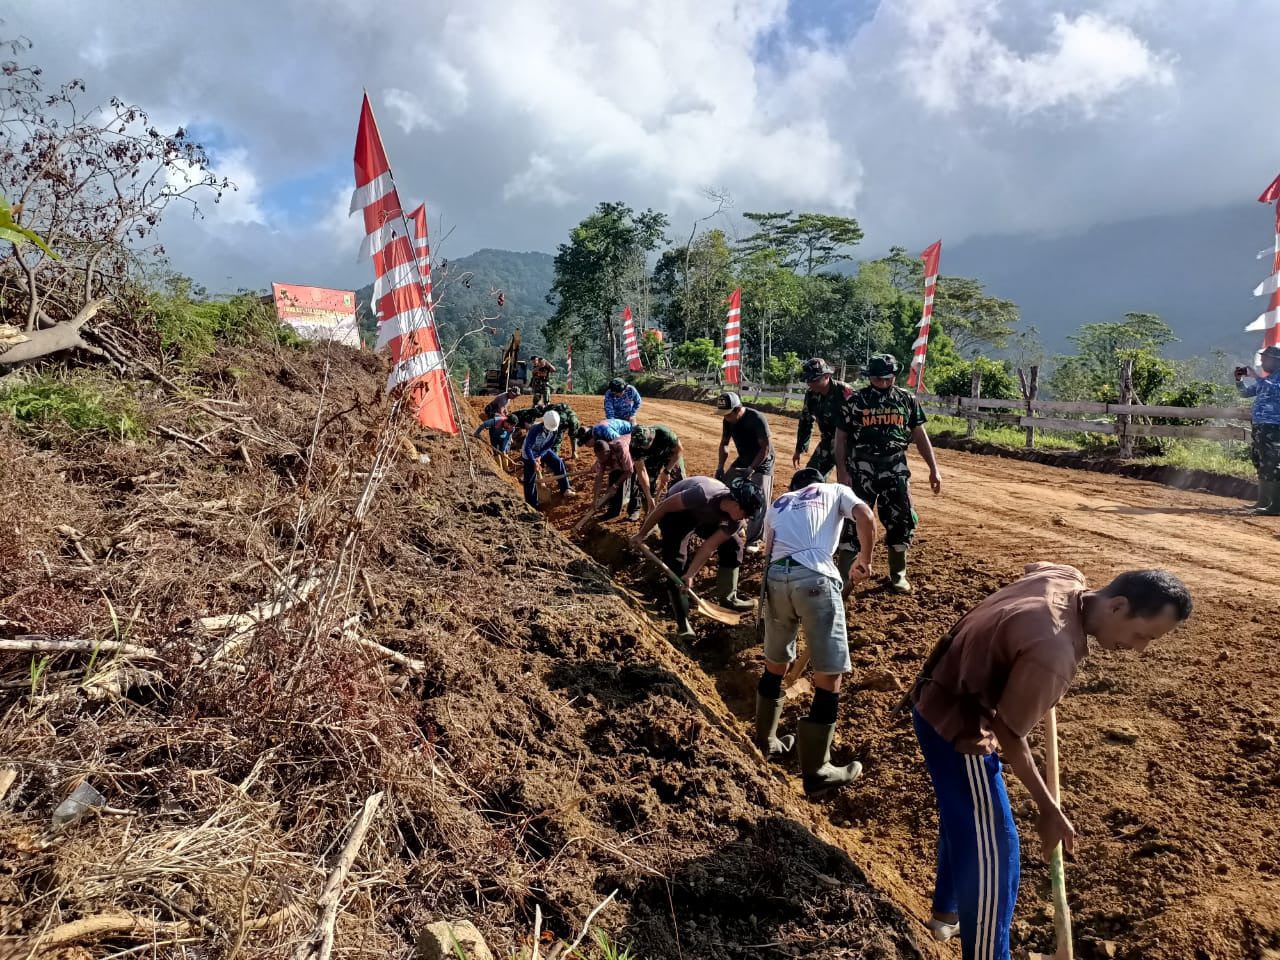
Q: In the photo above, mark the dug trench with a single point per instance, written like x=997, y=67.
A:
x=537, y=744
x=1170, y=761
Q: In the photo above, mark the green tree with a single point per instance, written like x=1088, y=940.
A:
x=997, y=379
x=593, y=270
x=653, y=350
x=1094, y=372
x=700, y=355
x=778, y=372
x=692, y=304
x=808, y=240
x=972, y=317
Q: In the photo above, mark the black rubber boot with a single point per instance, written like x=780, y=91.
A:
x=898, y=581
x=680, y=606
x=820, y=776
x=1268, y=499
x=727, y=590
x=768, y=713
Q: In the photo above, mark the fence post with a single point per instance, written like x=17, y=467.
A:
x=975, y=391
x=1124, y=419
x=842, y=368
x=1029, y=395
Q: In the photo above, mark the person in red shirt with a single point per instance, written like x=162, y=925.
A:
x=986, y=684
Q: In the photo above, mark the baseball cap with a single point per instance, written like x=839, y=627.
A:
x=728, y=401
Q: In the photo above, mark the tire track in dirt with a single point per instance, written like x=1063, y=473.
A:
x=1170, y=760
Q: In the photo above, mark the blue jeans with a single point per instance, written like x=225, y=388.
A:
x=531, y=476
x=977, y=844
x=501, y=439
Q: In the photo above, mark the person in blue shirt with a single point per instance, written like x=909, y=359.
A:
x=621, y=401
x=539, y=449
x=610, y=429
x=1265, y=391
x=500, y=430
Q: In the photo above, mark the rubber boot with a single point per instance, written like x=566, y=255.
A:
x=820, y=776
x=844, y=562
x=768, y=713
x=727, y=590
x=1268, y=499
x=898, y=581
x=680, y=605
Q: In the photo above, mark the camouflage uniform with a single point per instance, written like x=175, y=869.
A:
x=653, y=446
x=540, y=383
x=1266, y=451
x=569, y=425
x=827, y=410
x=879, y=426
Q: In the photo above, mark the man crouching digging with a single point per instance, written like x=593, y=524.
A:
x=802, y=586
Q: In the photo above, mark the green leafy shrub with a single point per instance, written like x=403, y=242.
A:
x=193, y=327
x=49, y=404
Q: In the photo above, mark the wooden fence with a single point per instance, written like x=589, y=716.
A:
x=1125, y=420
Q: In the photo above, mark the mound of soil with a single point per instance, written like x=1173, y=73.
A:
x=535, y=741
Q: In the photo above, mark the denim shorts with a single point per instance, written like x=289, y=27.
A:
x=797, y=596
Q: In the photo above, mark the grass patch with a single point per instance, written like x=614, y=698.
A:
x=81, y=408
x=1230, y=458
x=1008, y=436
x=193, y=329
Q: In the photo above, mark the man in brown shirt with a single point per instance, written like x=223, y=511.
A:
x=988, y=682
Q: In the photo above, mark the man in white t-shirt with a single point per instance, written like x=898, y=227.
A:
x=803, y=586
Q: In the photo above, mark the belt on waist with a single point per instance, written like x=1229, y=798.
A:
x=786, y=563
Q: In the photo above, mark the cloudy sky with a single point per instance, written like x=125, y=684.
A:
x=512, y=118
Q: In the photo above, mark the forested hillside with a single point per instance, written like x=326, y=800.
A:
x=466, y=293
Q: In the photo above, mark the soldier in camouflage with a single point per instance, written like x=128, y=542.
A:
x=1265, y=391
x=877, y=423
x=570, y=426
x=654, y=450
x=823, y=402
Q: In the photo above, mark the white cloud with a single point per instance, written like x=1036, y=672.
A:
x=407, y=110
x=536, y=182
x=954, y=58
x=241, y=205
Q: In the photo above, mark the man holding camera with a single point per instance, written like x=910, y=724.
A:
x=1265, y=391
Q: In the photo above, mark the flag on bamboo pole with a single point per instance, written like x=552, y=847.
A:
x=1268, y=322
x=931, y=256
x=422, y=248
x=568, y=368
x=629, y=341
x=466, y=384
x=401, y=298
x=733, y=339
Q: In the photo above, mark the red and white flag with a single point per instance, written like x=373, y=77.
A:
x=931, y=256
x=733, y=339
x=401, y=294
x=1268, y=322
x=629, y=341
x=568, y=368
x=466, y=384
x=422, y=248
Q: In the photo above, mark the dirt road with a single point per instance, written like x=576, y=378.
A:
x=1170, y=760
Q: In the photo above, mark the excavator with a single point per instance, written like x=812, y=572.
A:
x=511, y=369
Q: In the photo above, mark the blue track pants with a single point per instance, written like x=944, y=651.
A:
x=977, y=844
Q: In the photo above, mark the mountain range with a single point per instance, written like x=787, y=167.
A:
x=1196, y=270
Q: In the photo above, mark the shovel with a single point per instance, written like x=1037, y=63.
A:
x=730, y=618
x=1057, y=875
x=590, y=514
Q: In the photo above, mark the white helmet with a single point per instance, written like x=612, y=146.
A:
x=551, y=420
